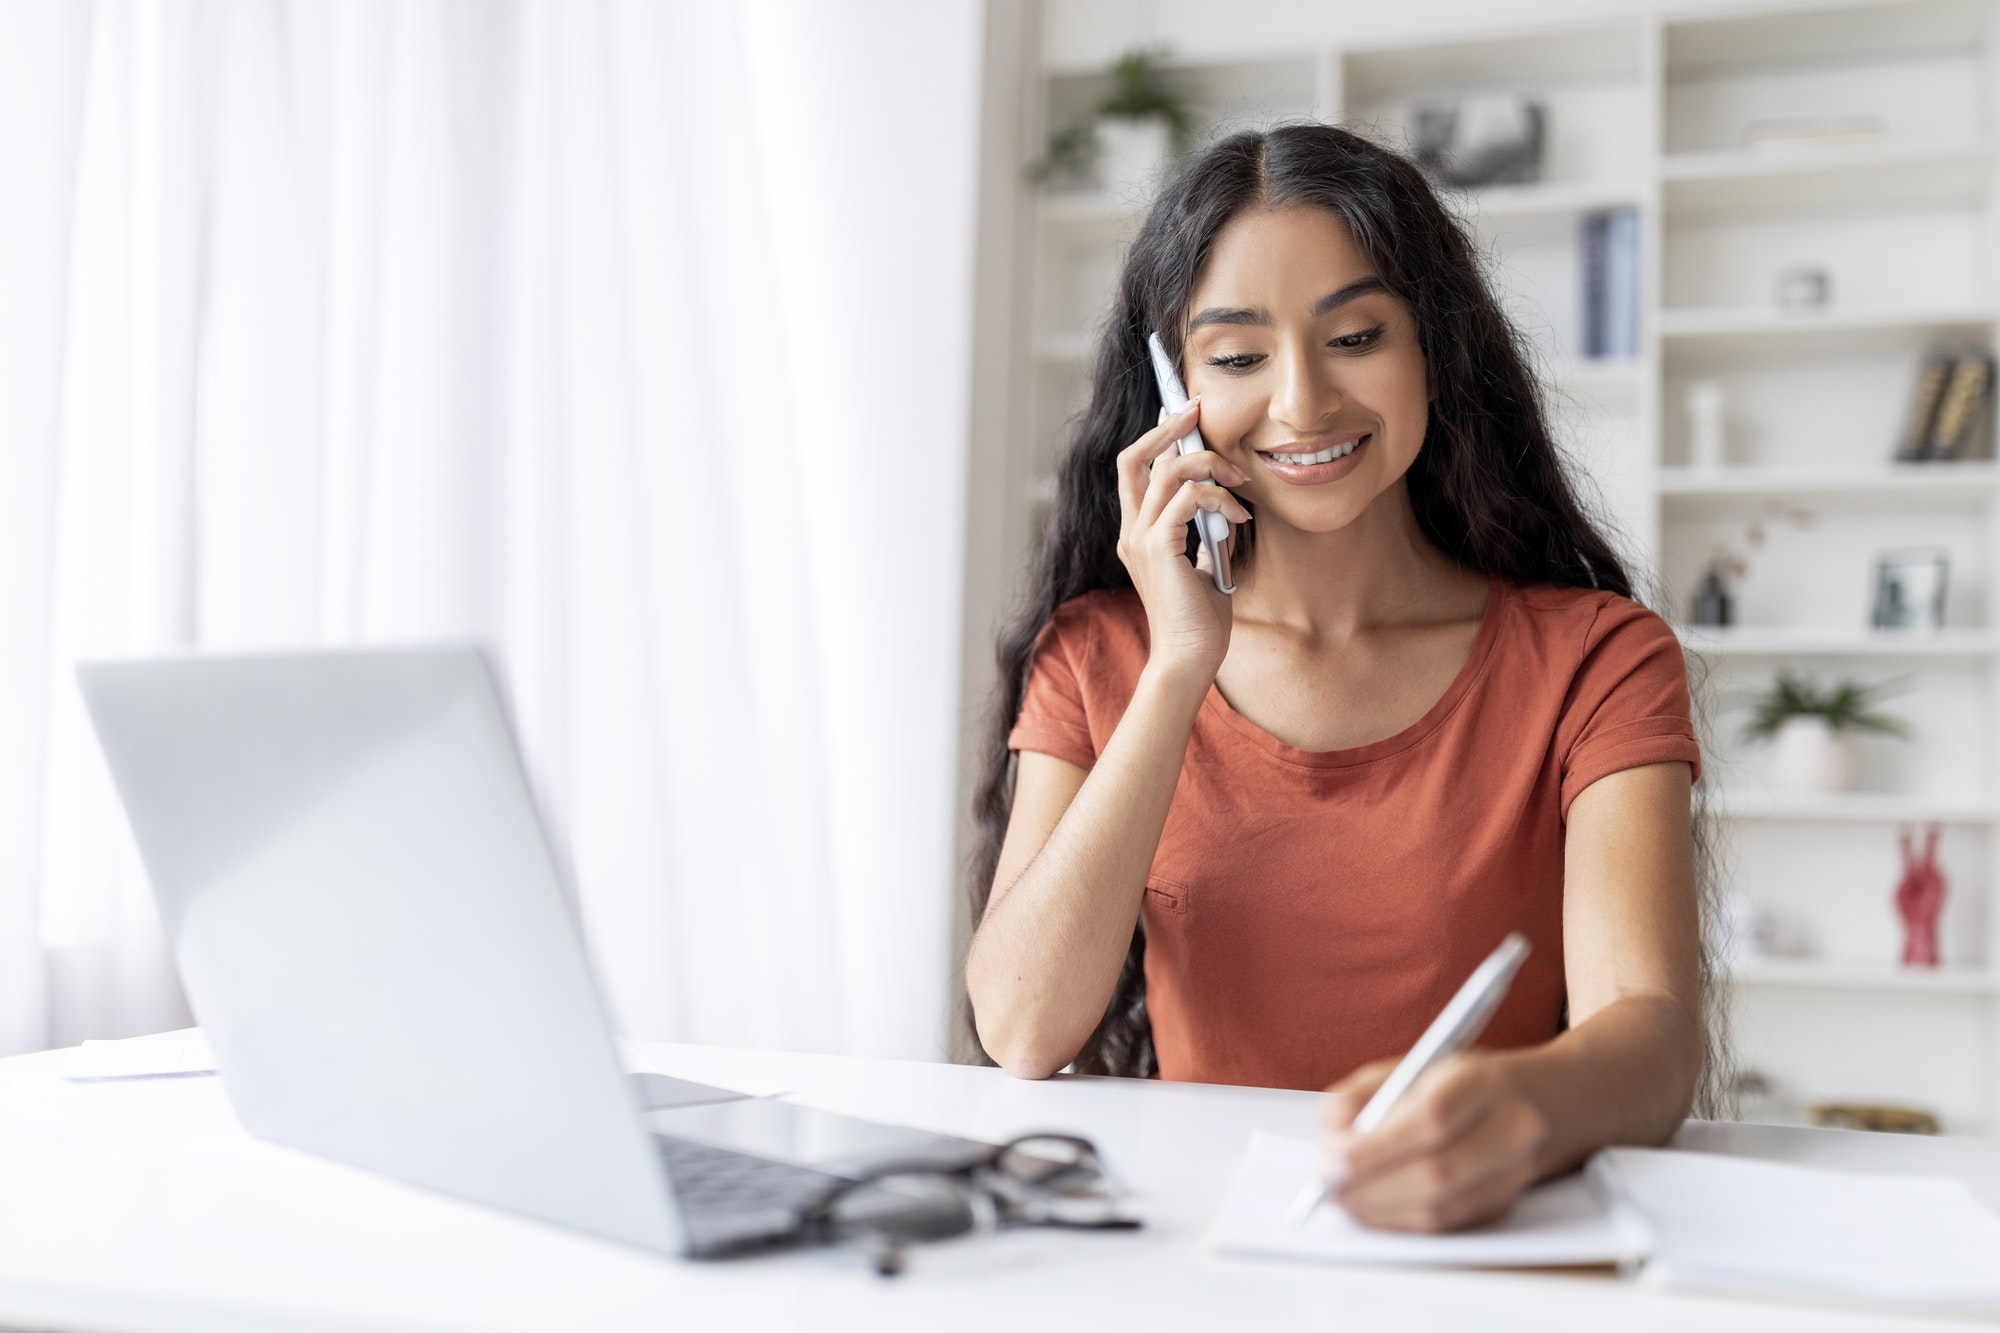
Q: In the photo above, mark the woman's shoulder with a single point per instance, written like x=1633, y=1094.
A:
x=1104, y=619
x=1580, y=626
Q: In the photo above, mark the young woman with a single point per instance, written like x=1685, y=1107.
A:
x=1261, y=839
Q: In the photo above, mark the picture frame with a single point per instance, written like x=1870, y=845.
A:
x=1909, y=589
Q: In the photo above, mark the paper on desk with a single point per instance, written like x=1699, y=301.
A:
x=1740, y=1224
x=1555, y=1225
x=165, y=1055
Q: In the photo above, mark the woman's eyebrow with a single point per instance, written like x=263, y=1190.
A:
x=1360, y=287
x=1220, y=315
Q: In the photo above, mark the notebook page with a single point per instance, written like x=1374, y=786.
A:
x=1558, y=1224
x=1742, y=1224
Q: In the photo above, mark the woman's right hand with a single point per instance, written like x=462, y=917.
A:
x=1159, y=491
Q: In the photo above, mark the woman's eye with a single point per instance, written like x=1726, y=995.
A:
x=1354, y=342
x=1235, y=361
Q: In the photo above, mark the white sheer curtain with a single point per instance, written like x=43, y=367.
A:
x=630, y=339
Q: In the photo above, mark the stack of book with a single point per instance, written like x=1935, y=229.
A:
x=1610, y=246
x=1950, y=416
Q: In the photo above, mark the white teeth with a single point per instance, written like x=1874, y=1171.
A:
x=1323, y=456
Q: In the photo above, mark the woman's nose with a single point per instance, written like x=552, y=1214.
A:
x=1305, y=395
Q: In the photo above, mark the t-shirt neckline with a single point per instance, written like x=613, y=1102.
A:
x=1469, y=671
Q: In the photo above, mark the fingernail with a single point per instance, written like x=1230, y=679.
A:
x=1189, y=405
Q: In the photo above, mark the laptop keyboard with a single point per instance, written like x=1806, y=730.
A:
x=731, y=1198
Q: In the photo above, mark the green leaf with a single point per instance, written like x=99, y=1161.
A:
x=1847, y=705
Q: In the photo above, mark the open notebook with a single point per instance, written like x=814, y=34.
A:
x=1699, y=1221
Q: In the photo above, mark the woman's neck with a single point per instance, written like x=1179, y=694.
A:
x=1378, y=571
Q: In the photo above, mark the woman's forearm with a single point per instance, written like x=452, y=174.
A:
x=1625, y=1075
x=1045, y=960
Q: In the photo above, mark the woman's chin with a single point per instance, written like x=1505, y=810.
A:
x=1315, y=519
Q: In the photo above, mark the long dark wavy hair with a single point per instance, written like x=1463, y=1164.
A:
x=1488, y=486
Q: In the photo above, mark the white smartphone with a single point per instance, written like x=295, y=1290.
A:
x=1213, y=527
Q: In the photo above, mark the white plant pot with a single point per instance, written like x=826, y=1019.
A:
x=1132, y=156
x=1807, y=755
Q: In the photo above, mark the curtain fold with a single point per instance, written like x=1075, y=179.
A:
x=630, y=339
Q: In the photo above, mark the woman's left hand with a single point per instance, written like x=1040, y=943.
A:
x=1456, y=1150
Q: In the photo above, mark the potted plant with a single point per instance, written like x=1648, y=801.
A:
x=1811, y=729
x=1137, y=128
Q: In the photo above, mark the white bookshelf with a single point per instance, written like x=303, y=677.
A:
x=1649, y=112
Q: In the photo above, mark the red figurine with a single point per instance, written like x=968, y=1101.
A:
x=1918, y=900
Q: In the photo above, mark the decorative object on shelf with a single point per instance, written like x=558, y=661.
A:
x=1071, y=153
x=1610, y=251
x=1729, y=566
x=1749, y=930
x=1933, y=373
x=1712, y=604
x=1832, y=134
x=1950, y=417
x=1806, y=287
x=1919, y=898
x=1811, y=729
x=1755, y=1096
x=1495, y=139
x=1909, y=589
x=1880, y=1119
x=1137, y=129
x=1963, y=427
x=1705, y=439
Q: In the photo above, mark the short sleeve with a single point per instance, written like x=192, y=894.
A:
x=1628, y=703
x=1052, y=719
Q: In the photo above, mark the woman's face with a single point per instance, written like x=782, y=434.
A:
x=1309, y=372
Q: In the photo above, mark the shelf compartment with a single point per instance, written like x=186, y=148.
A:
x=1721, y=184
x=1760, y=641
x=1698, y=46
x=1500, y=202
x=1829, y=974
x=1509, y=62
x=1849, y=807
x=1765, y=322
x=1091, y=208
x=1975, y=481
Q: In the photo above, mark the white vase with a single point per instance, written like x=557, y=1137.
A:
x=1132, y=156
x=1704, y=410
x=1807, y=755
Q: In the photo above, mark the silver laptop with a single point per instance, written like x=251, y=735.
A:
x=376, y=937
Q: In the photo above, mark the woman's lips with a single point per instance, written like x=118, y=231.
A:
x=1315, y=474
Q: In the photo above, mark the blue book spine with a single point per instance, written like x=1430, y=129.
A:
x=1621, y=284
x=1591, y=244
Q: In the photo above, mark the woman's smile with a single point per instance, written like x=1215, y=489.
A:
x=1314, y=462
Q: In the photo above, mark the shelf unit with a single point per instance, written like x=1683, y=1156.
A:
x=1650, y=112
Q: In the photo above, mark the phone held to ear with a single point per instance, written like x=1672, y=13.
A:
x=1213, y=527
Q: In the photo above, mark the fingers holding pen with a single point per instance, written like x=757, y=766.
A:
x=1459, y=1148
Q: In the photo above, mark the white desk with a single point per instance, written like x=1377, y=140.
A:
x=143, y=1206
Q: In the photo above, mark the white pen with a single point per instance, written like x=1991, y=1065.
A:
x=1457, y=1027
x=1213, y=527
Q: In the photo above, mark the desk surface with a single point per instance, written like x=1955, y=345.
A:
x=142, y=1205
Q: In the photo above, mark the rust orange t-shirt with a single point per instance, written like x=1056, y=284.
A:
x=1309, y=911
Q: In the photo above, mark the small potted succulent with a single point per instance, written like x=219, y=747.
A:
x=1136, y=130
x=1811, y=729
